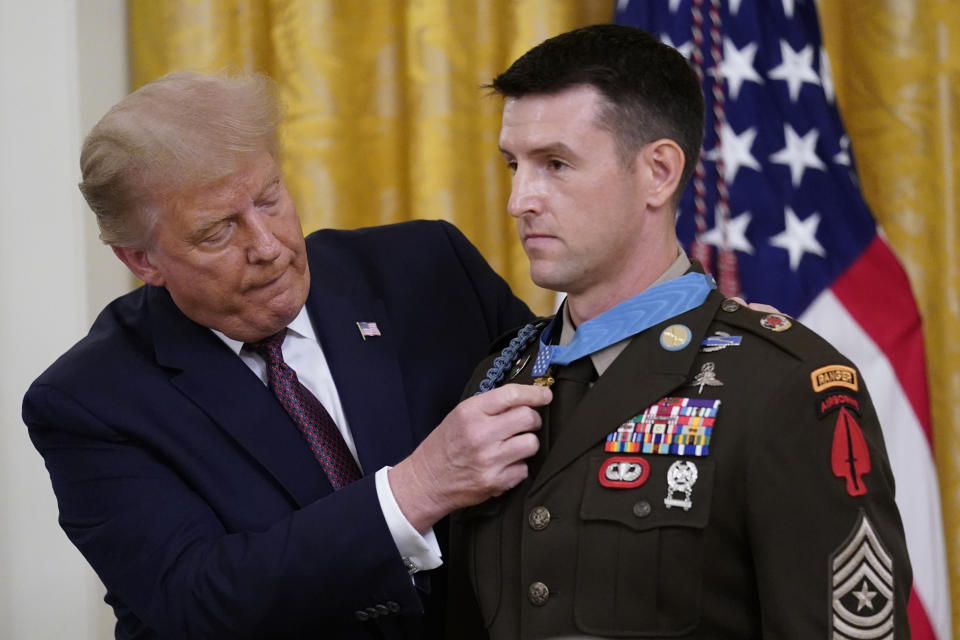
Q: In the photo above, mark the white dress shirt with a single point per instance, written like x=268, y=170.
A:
x=303, y=353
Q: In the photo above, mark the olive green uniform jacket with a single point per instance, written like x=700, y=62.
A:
x=788, y=529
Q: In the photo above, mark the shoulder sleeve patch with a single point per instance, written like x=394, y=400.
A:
x=861, y=585
x=834, y=375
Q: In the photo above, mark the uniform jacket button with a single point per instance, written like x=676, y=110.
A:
x=361, y=616
x=393, y=606
x=539, y=518
x=729, y=305
x=382, y=609
x=539, y=593
x=372, y=612
x=642, y=509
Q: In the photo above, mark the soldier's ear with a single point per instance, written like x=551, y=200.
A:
x=663, y=165
x=140, y=264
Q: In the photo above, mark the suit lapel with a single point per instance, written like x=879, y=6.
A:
x=220, y=383
x=366, y=370
x=639, y=377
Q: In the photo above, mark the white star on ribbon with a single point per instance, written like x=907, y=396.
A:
x=736, y=234
x=735, y=151
x=734, y=7
x=864, y=597
x=737, y=66
x=674, y=5
x=799, y=237
x=799, y=153
x=795, y=68
x=788, y=8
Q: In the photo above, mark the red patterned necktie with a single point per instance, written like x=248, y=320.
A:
x=307, y=413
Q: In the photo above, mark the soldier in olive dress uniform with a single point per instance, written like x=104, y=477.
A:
x=705, y=470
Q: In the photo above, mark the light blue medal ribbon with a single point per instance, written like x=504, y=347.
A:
x=628, y=318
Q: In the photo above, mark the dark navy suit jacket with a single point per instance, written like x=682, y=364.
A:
x=192, y=494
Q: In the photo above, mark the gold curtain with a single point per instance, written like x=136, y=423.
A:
x=896, y=68
x=386, y=122
x=385, y=117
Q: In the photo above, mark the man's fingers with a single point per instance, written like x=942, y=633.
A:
x=520, y=446
x=508, y=396
x=756, y=306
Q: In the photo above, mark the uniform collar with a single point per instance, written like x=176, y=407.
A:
x=604, y=358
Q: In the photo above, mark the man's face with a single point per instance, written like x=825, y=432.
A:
x=576, y=204
x=232, y=254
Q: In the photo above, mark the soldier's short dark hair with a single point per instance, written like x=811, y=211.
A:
x=650, y=90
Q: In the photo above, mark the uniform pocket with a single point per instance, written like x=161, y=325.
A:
x=640, y=562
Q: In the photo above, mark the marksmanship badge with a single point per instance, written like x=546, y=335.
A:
x=681, y=476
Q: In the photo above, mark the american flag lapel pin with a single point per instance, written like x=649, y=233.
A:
x=368, y=329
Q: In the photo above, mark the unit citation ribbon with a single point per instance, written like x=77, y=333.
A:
x=672, y=426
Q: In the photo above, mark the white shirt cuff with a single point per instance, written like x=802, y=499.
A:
x=419, y=552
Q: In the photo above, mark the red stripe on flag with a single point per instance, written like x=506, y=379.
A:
x=920, y=628
x=876, y=292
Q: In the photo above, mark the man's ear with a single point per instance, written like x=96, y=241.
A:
x=663, y=160
x=138, y=261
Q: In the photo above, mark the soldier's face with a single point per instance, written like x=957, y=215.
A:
x=574, y=200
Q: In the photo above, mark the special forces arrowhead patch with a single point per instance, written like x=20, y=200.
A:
x=861, y=594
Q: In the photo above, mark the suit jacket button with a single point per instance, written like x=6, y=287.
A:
x=361, y=616
x=539, y=518
x=393, y=606
x=539, y=593
x=372, y=612
x=382, y=609
x=642, y=509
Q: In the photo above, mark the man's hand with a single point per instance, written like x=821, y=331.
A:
x=477, y=452
x=756, y=306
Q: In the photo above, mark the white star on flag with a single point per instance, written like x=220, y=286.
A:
x=798, y=153
x=826, y=75
x=685, y=49
x=795, y=68
x=737, y=66
x=735, y=150
x=736, y=233
x=799, y=237
x=843, y=156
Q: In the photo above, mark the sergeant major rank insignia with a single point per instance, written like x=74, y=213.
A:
x=861, y=585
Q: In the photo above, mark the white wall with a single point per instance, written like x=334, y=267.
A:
x=62, y=64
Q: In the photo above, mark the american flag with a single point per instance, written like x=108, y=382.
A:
x=368, y=329
x=775, y=212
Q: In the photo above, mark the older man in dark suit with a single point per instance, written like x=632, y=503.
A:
x=240, y=448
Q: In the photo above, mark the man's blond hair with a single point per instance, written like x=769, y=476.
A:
x=180, y=132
